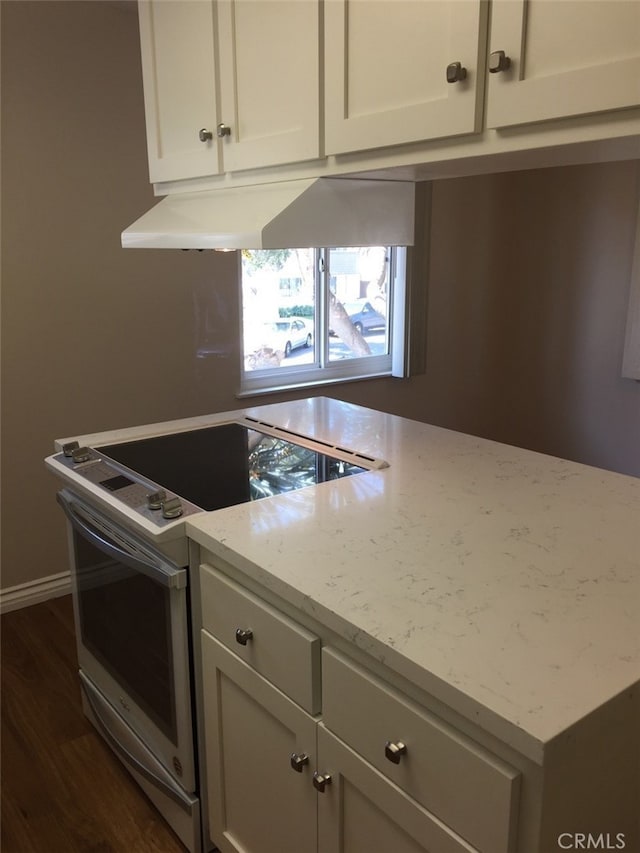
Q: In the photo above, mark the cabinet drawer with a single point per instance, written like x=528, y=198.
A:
x=362, y=810
x=464, y=785
x=278, y=648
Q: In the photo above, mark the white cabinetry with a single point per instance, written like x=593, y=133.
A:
x=267, y=72
x=269, y=81
x=451, y=779
x=387, y=67
x=565, y=59
x=258, y=702
x=277, y=771
x=256, y=801
x=362, y=812
x=179, y=77
x=341, y=86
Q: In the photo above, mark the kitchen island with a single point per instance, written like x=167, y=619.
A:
x=495, y=589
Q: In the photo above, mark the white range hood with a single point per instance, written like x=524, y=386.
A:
x=284, y=215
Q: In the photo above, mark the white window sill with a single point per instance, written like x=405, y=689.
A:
x=275, y=388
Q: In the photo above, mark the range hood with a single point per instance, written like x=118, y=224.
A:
x=284, y=215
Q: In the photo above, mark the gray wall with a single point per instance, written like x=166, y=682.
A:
x=528, y=292
x=529, y=277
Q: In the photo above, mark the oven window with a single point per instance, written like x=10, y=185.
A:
x=125, y=622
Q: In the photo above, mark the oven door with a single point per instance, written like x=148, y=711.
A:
x=132, y=627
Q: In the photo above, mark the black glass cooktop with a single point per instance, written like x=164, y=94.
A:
x=228, y=464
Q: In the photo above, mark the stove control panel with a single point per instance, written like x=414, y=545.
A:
x=144, y=497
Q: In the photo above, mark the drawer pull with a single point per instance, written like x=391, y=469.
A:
x=320, y=781
x=298, y=760
x=395, y=751
x=243, y=635
x=499, y=61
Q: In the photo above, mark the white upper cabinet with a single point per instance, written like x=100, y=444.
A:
x=261, y=56
x=564, y=58
x=399, y=71
x=269, y=81
x=237, y=85
x=179, y=76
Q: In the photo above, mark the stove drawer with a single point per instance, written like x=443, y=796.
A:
x=277, y=647
x=468, y=788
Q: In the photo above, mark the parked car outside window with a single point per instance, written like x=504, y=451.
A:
x=364, y=316
x=287, y=335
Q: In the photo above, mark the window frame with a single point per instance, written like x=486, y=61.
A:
x=323, y=371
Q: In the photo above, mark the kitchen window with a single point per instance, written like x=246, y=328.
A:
x=344, y=319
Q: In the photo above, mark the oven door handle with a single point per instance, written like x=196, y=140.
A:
x=159, y=570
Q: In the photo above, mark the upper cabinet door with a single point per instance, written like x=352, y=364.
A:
x=269, y=81
x=391, y=75
x=567, y=58
x=178, y=72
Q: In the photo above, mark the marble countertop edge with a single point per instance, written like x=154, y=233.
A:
x=465, y=705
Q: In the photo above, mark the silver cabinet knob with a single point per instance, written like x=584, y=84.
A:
x=298, y=760
x=395, y=751
x=243, y=635
x=223, y=130
x=204, y=135
x=456, y=72
x=498, y=61
x=320, y=781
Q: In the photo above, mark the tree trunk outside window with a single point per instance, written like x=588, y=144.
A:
x=344, y=328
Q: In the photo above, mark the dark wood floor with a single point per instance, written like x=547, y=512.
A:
x=63, y=791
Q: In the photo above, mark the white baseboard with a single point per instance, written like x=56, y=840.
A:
x=34, y=592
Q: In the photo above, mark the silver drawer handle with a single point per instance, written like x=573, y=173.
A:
x=243, y=635
x=320, y=781
x=395, y=751
x=298, y=760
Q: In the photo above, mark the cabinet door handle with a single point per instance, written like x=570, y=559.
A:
x=243, y=635
x=499, y=61
x=395, y=751
x=321, y=780
x=204, y=135
x=456, y=72
x=223, y=130
x=298, y=760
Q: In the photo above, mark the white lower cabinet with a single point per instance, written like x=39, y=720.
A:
x=280, y=782
x=447, y=773
x=357, y=768
x=360, y=811
x=257, y=801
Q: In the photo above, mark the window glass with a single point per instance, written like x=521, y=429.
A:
x=317, y=315
x=358, y=302
x=278, y=308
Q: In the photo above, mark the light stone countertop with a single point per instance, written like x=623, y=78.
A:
x=506, y=583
